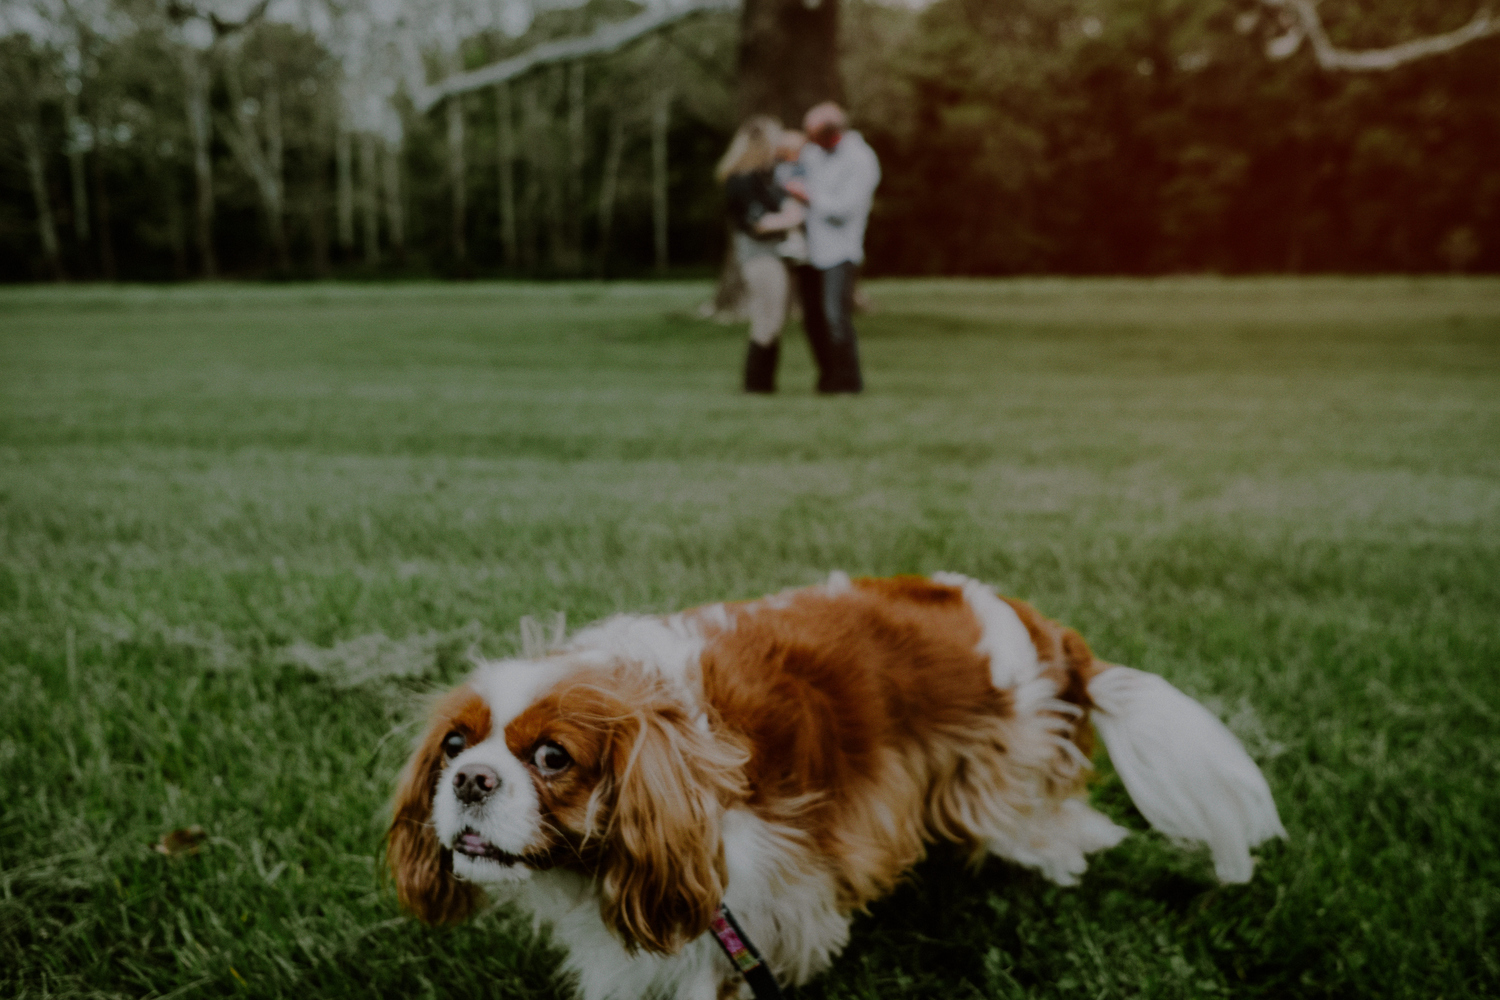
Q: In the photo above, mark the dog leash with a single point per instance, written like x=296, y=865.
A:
x=743, y=956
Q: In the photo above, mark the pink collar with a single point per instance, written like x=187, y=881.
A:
x=743, y=956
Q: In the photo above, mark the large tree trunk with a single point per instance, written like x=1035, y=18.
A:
x=788, y=58
x=730, y=303
x=788, y=61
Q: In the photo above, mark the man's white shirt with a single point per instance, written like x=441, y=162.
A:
x=840, y=187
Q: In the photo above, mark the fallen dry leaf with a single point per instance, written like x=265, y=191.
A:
x=184, y=840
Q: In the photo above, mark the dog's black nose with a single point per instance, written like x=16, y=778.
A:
x=474, y=783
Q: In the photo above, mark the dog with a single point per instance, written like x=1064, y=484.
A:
x=783, y=762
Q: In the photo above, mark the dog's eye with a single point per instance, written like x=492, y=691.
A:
x=551, y=759
x=454, y=744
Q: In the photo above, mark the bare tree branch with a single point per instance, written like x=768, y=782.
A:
x=606, y=38
x=1308, y=25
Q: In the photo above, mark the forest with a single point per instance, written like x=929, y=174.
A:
x=147, y=140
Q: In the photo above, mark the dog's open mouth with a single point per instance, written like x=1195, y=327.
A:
x=473, y=845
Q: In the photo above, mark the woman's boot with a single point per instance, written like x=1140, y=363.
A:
x=760, y=367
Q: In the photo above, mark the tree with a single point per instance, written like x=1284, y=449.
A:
x=195, y=40
x=62, y=39
x=787, y=62
x=301, y=109
x=606, y=37
x=1153, y=136
x=788, y=57
x=23, y=81
x=255, y=134
x=196, y=28
x=1306, y=24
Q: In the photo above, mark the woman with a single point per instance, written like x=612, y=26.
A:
x=762, y=215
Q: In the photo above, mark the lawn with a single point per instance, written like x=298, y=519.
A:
x=243, y=530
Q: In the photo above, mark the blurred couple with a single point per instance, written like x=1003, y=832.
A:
x=798, y=202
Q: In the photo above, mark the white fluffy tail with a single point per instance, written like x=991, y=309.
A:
x=1183, y=768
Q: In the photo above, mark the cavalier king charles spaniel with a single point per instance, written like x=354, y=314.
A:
x=789, y=759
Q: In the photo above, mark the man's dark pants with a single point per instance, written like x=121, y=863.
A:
x=827, y=296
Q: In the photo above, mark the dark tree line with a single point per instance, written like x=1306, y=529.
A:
x=1144, y=137
x=1062, y=136
x=314, y=161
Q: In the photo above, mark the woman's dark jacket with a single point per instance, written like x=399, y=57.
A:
x=750, y=196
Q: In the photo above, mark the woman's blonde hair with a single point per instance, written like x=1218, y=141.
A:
x=753, y=148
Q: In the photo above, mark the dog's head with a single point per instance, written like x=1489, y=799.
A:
x=551, y=764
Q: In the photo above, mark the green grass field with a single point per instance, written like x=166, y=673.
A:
x=244, y=529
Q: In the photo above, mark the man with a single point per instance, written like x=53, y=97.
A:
x=842, y=172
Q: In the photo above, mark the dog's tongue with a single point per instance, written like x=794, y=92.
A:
x=473, y=841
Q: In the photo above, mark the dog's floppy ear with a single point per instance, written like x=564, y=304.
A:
x=662, y=870
x=421, y=867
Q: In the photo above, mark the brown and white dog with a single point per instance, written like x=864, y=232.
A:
x=790, y=758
